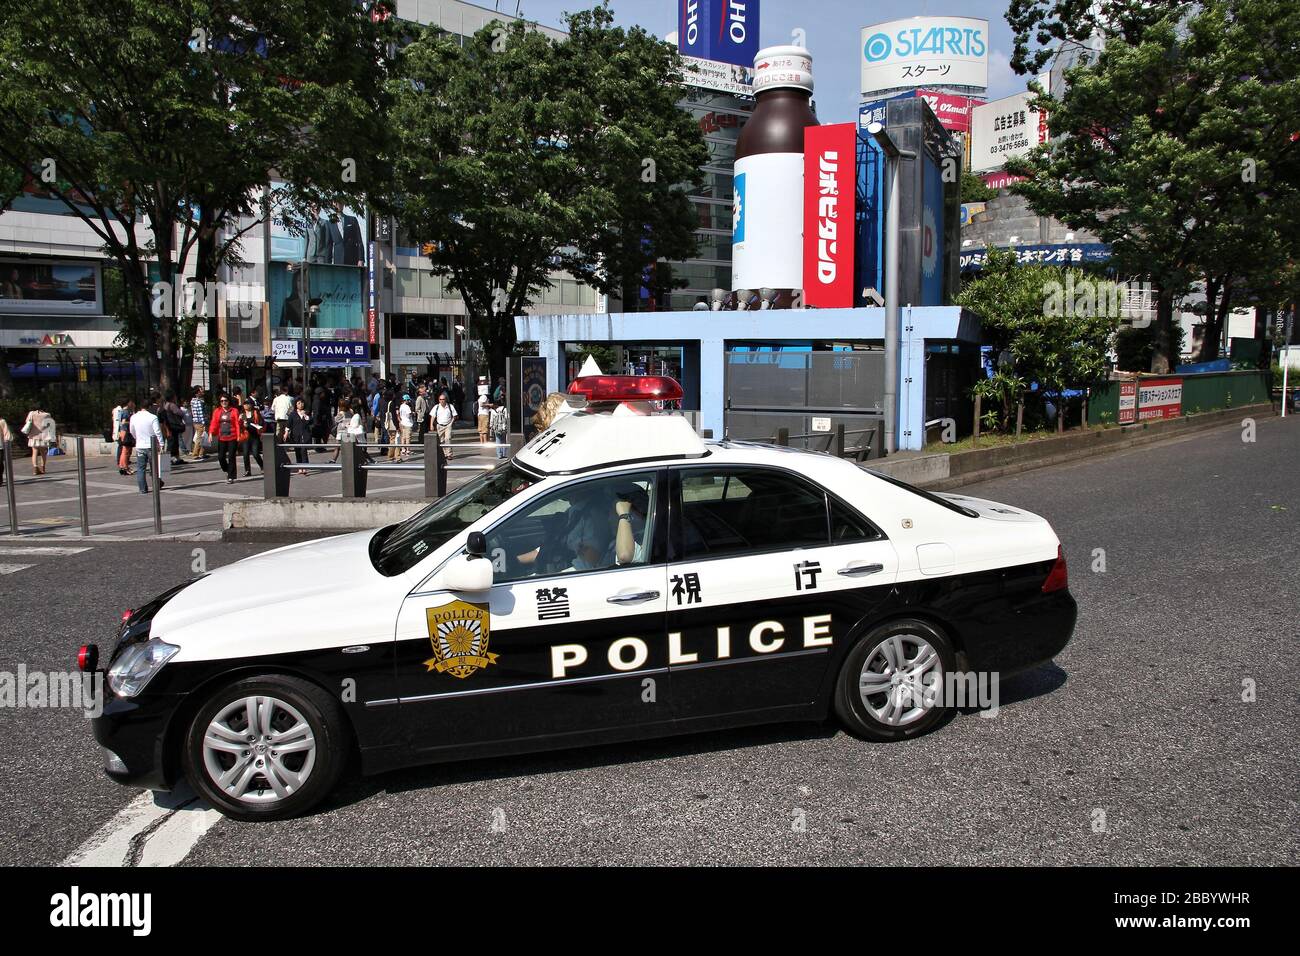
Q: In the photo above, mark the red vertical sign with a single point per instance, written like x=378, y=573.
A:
x=829, y=189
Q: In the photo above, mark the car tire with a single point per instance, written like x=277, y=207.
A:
x=868, y=695
x=246, y=775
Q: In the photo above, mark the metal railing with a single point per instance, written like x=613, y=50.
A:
x=835, y=441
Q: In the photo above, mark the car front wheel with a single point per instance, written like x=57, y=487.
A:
x=892, y=684
x=266, y=748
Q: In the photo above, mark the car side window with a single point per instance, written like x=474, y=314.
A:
x=578, y=527
x=744, y=510
x=847, y=525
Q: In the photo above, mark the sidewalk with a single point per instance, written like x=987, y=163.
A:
x=193, y=494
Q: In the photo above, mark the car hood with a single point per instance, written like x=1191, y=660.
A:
x=298, y=572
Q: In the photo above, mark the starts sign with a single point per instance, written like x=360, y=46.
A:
x=1160, y=398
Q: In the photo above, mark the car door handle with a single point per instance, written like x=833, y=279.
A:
x=853, y=570
x=636, y=597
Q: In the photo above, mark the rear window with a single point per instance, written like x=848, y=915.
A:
x=942, y=502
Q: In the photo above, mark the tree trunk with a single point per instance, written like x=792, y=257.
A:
x=137, y=286
x=1211, y=331
x=1164, y=356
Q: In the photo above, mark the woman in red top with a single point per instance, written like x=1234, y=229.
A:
x=229, y=432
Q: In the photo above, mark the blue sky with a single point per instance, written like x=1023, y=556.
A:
x=832, y=26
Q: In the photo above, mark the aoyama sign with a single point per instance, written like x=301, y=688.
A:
x=725, y=31
x=924, y=52
x=829, y=183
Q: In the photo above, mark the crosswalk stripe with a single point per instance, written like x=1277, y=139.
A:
x=12, y=568
x=6, y=551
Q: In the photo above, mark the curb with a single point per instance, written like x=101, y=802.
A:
x=1090, y=445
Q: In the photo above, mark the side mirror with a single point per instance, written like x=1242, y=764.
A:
x=465, y=572
x=476, y=544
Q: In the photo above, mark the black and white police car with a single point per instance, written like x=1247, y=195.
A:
x=618, y=578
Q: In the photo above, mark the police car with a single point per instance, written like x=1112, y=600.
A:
x=618, y=578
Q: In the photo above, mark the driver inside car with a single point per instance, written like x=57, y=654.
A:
x=605, y=528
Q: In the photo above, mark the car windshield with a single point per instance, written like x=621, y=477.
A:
x=399, y=547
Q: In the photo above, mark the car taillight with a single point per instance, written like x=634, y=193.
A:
x=1058, y=579
x=87, y=657
x=126, y=615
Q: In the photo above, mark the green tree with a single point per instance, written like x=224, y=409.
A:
x=1056, y=324
x=156, y=122
x=974, y=189
x=1176, y=144
x=520, y=156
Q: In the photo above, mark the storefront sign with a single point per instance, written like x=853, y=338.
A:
x=1160, y=398
x=925, y=51
x=721, y=30
x=322, y=352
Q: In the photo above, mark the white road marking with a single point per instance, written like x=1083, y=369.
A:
x=154, y=829
x=12, y=568
x=5, y=550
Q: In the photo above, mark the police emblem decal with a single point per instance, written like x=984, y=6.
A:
x=459, y=634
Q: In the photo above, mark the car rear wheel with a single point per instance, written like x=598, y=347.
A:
x=891, y=686
x=266, y=748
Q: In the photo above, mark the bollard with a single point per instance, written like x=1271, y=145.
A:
x=435, y=475
x=156, y=464
x=354, y=476
x=275, y=473
x=82, y=503
x=839, y=440
x=783, y=437
x=9, y=487
x=975, y=431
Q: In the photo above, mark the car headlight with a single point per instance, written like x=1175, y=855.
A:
x=137, y=664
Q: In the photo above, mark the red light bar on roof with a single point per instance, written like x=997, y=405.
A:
x=627, y=388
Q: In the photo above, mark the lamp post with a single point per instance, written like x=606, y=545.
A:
x=893, y=159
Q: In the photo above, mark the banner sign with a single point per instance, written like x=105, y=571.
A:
x=722, y=30
x=1060, y=254
x=925, y=51
x=322, y=353
x=1128, y=396
x=1002, y=129
x=49, y=287
x=722, y=77
x=829, y=183
x=1160, y=398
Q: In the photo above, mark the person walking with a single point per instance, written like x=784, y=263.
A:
x=390, y=424
x=174, y=419
x=122, y=413
x=145, y=431
x=227, y=429
x=198, y=417
x=251, y=422
x=282, y=408
x=422, y=409
x=499, y=420
x=40, y=431
x=444, y=416
x=342, y=433
x=300, y=432
x=357, y=430
x=320, y=416
x=405, y=423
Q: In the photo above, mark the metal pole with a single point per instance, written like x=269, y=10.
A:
x=9, y=486
x=157, y=485
x=270, y=463
x=1286, y=369
x=81, y=487
x=430, y=464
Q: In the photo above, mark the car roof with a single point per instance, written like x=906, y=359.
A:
x=589, y=440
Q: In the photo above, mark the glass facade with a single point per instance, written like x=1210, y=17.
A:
x=721, y=117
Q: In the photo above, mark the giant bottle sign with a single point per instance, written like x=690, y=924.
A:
x=767, y=212
x=829, y=182
x=722, y=30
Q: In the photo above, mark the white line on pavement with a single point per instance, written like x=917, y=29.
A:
x=6, y=550
x=149, y=520
x=154, y=829
x=11, y=568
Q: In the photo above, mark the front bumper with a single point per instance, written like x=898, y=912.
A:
x=135, y=730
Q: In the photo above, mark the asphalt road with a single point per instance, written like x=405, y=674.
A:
x=1135, y=747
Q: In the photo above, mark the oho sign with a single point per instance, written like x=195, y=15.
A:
x=926, y=52
x=725, y=31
